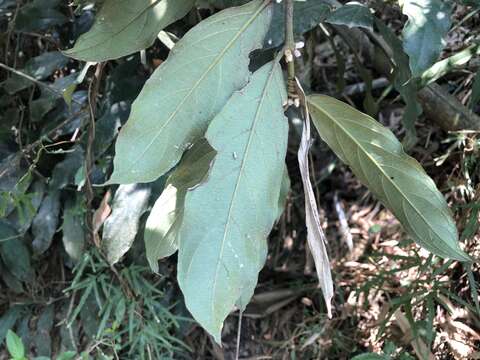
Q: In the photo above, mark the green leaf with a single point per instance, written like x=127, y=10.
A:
x=24, y=332
x=352, y=14
x=15, y=346
x=10, y=281
x=24, y=213
x=403, y=84
x=228, y=217
x=45, y=223
x=443, y=67
x=8, y=320
x=424, y=33
x=123, y=27
x=163, y=223
x=15, y=83
x=376, y=157
x=44, y=65
x=176, y=104
x=73, y=228
x=120, y=309
x=14, y=253
x=64, y=172
x=165, y=218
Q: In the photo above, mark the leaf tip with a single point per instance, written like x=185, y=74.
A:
x=463, y=257
x=217, y=336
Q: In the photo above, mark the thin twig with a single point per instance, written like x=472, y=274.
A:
x=93, y=90
x=31, y=166
x=39, y=141
x=35, y=81
x=239, y=332
x=89, y=194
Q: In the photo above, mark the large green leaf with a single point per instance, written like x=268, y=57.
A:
x=163, y=223
x=165, y=218
x=228, y=217
x=424, y=33
x=123, y=27
x=378, y=160
x=176, y=104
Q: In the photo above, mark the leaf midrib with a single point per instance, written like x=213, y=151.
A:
x=194, y=87
x=377, y=165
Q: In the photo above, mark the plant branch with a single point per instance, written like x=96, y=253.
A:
x=35, y=81
x=51, y=132
x=289, y=46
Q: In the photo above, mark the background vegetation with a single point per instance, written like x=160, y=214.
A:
x=61, y=296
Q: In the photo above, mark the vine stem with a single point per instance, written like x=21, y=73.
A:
x=92, y=234
x=289, y=46
x=93, y=90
